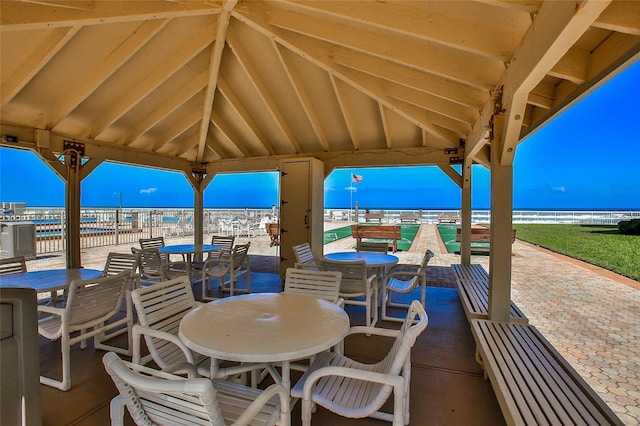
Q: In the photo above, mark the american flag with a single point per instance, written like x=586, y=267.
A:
x=356, y=178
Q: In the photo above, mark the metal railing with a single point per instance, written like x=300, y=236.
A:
x=103, y=227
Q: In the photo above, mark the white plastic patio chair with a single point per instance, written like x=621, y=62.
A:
x=356, y=287
x=153, y=268
x=403, y=279
x=304, y=257
x=357, y=390
x=154, y=243
x=90, y=307
x=233, y=267
x=156, y=397
x=225, y=244
x=321, y=284
x=160, y=308
x=118, y=262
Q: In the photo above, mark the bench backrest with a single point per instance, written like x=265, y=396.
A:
x=380, y=231
x=482, y=235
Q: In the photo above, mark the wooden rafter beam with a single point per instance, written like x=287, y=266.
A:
x=214, y=70
x=341, y=96
x=18, y=16
x=555, y=29
x=166, y=107
x=303, y=96
x=39, y=57
x=163, y=72
x=409, y=19
x=480, y=72
x=262, y=89
x=105, y=69
x=244, y=115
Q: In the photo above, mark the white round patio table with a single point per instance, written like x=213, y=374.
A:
x=372, y=259
x=264, y=327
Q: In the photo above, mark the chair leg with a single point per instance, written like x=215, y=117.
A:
x=65, y=350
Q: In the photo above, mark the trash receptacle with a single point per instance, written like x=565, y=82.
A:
x=18, y=239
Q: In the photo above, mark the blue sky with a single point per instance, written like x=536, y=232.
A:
x=587, y=158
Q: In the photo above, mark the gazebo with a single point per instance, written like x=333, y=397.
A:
x=207, y=87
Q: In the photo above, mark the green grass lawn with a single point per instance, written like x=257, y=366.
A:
x=597, y=244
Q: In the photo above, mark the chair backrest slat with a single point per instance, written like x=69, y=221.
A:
x=13, y=265
x=303, y=253
x=155, y=242
x=321, y=284
x=225, y=243
x=94, y=301
x=161, y=307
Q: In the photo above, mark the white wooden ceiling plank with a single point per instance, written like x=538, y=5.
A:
x=480, y=72
x=178, y=128
x=621, y=16
x=229, y=133
x=35, y=62
x=169, y=105
x=373, y=88
x=303, y=96
x=17, y=16
x=420, y=79
x=150, y=82
x=242, y=112
x=385, y=126
x=410, y=19
x=529, y=6
x=244, y=58
x=573, y=66
x=431, y=103
x=346, y=113
x=214, y=71
x=105, y=69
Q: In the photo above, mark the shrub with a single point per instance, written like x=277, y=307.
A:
x=629, y=227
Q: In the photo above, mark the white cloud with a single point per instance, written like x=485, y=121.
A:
x=558, y=188
x=148, y=190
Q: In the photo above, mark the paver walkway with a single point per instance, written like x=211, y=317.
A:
x=590, y=315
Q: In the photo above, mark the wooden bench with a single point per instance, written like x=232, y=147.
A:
x=373, y=216
x=391, y=233
x=444, y=218
x=533, y=383
x=472, y=282
x=481, y=235
x=409, y=218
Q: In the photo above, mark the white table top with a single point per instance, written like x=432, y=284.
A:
x=264, y=327
x=372, y=259
x=48, y=280
x=187, y=248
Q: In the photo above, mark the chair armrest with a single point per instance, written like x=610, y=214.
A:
x=183, y=368
x=361, y=329
x=403, y=274
x=51, y=310
x=311, y=266
x=139, y=330
x=266, y=395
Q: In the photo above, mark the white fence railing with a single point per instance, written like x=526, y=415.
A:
x=102, y=227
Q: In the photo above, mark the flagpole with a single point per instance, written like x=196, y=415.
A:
x=350, y=194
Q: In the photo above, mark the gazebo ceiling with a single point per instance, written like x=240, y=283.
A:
x=228, y=85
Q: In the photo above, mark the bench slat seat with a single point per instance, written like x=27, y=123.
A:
x=472, y=282
x=534, y=384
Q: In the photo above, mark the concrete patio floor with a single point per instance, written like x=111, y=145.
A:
x=589, y=314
